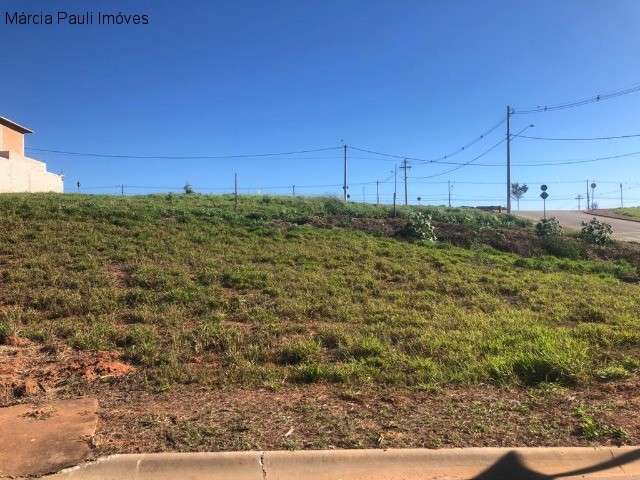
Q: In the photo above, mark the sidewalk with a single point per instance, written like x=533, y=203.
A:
x=410, y=464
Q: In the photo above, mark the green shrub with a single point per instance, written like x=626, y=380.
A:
x=562, y=247
x=419, y=227
x=596, y=232
x=548, y=227
x=333, y=206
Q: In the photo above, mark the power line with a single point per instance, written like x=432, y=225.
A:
x=584, y=101
x=577, y=161
x=493, y=147
x=583, y=139
x=437, y=159
x=182, y=157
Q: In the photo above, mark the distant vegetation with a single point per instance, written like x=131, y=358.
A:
x=629, y=211
x=304, y=290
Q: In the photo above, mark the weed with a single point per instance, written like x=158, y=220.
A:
x=294, y=353
x=612, y=372
x=4, y=332
x=591, y=429
x=212, y=336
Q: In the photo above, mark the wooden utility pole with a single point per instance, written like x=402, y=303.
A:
x=621, y=202
x=449, y=185
x=405, y=167
x=508, y=159
x=395, y=187
x=293, y=190
x=579, y=198
x=235, y=188
x=122, y=189
x=344, y=182
x=377, y=192
x=588, y=200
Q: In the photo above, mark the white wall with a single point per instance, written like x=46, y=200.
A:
x=24, y=174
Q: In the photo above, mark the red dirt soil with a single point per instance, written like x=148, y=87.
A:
x=28, y=369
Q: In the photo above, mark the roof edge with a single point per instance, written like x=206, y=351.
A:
x=13, y=125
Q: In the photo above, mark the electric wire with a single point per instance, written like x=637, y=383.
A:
x=577, y=103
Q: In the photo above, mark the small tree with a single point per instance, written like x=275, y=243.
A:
x=518, y=191
x=188, y=189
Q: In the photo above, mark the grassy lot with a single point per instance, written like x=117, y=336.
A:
x=293, y=294
x=629, y=211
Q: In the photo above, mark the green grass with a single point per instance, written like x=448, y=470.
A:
x=629, y=211
x=191, y=289
x=592, y=429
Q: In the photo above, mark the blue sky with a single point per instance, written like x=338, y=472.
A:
x=417, y=78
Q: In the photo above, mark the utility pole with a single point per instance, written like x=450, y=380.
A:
x=344, y=182
x=621, y=202
x=588, y=200
x=395, y=187
x=377, y=192
x=293, y=190
x=235, y=188
x=579, y=197
x=122, y=189
x=449, y=185
x=364, y=200
x=405, y=167
x=508, y=159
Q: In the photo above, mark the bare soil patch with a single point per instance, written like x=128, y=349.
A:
x=28, y=369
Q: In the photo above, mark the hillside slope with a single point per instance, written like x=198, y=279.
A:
x=296, y=295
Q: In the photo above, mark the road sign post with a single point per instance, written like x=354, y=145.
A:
x=544, y=195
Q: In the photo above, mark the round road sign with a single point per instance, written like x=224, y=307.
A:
x=543, y=188
x=593, y=185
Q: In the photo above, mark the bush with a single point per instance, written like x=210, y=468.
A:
x=419, y=227
x=562, y=247
x=596, y=232
x=548, y=228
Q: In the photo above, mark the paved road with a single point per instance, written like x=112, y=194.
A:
x=622, y=229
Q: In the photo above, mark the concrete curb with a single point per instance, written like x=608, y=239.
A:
x=400, y=464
